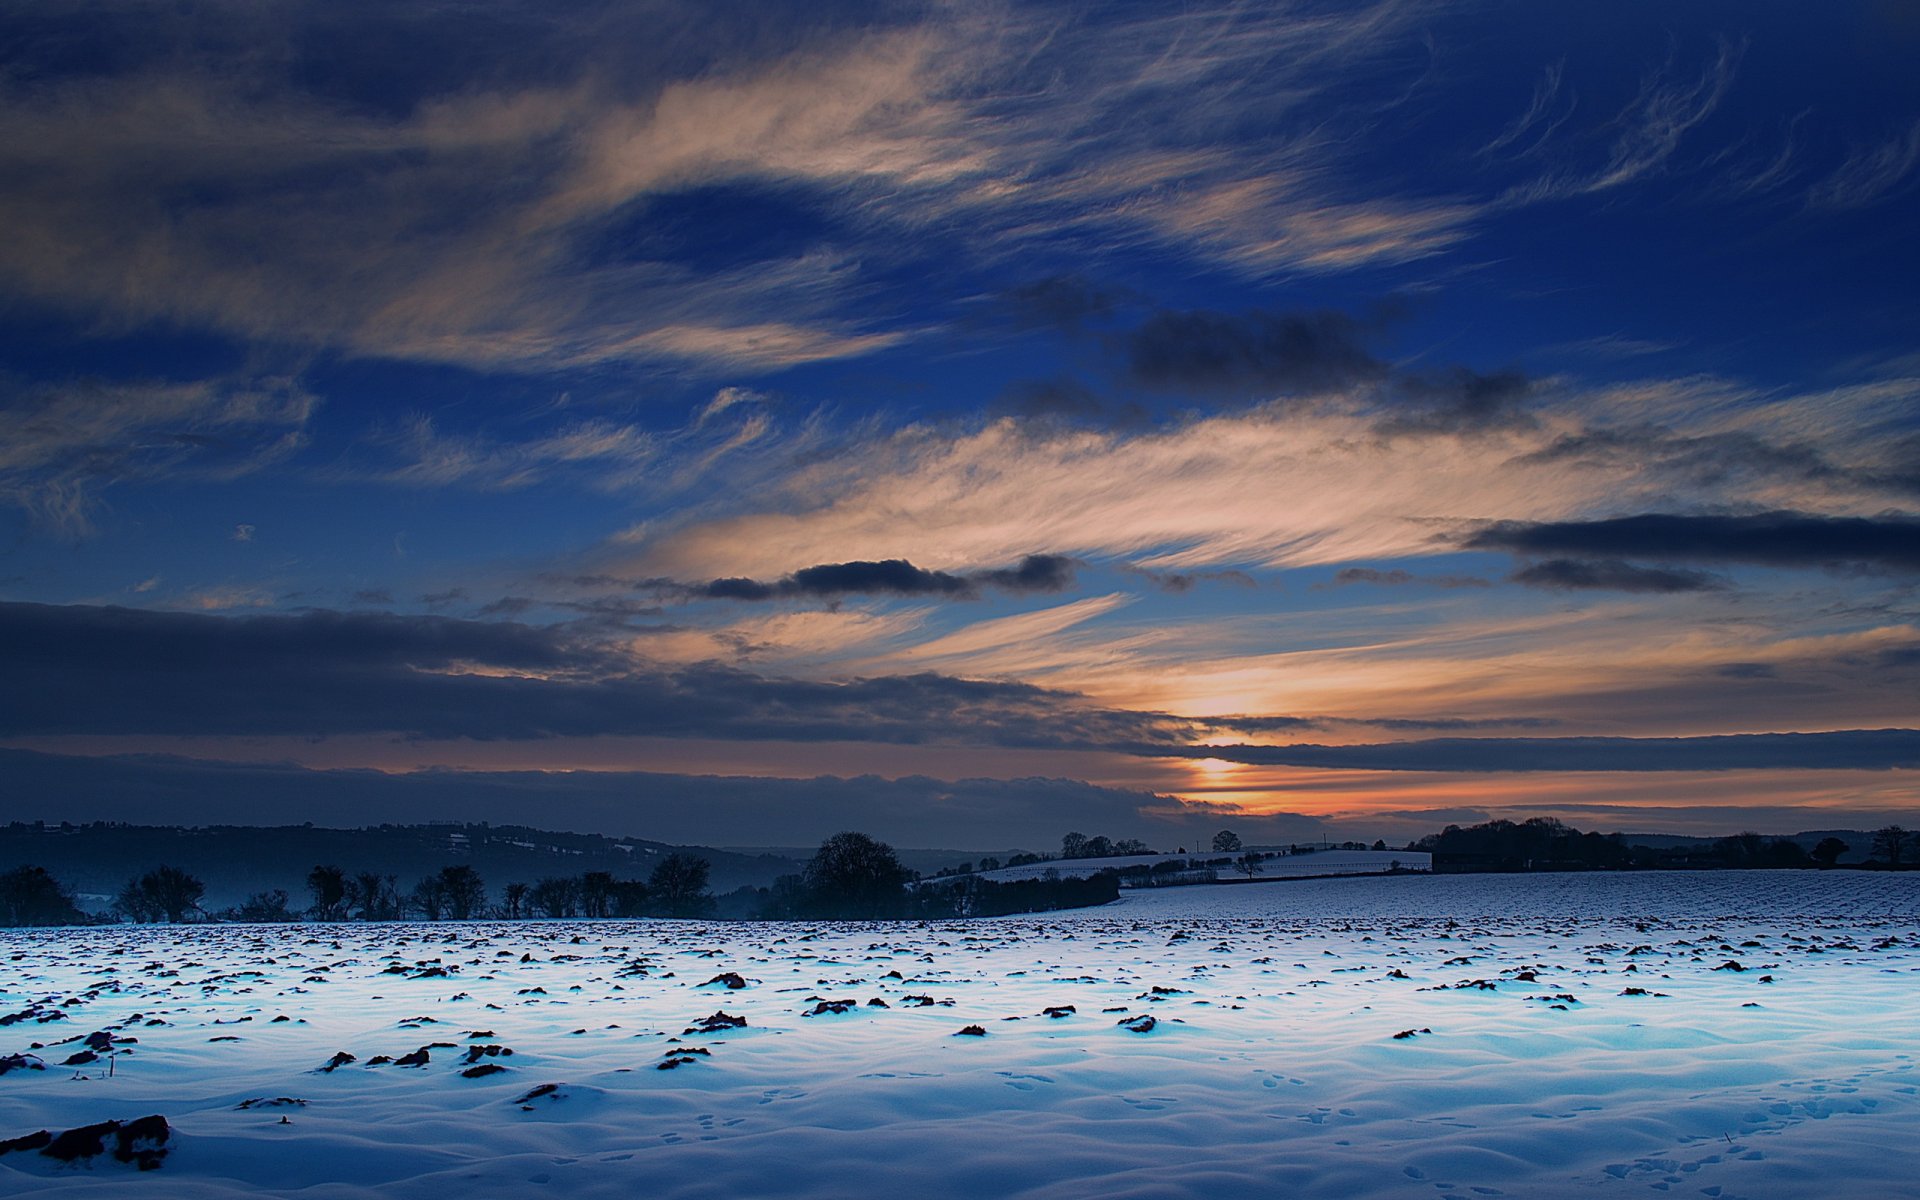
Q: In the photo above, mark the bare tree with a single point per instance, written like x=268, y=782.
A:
x=462, y=891
x=596, y=893
x=330, y=890
x=374, y=895
x=429, y=898
x=164, y=893
x=678, y=886
x=1226, y=842
x=1890, y=843
x=854, y=876
x=556, y=896
x=32, y=896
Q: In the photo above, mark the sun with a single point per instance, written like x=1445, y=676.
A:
x=1215, y=770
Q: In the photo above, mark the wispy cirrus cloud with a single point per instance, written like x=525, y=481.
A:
x=604, y=453
x=63, y=447
x=515, y=220
x=1352, y=476
x=1646, y=134
x=1871, y=174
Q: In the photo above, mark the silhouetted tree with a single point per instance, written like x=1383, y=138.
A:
x=462, y=891
x=556, y=896
x=1226, y=842
x=678, y=886
x=853, y=875
x=375, y=895
x=134, y=904
x=1742, y=849
x=330, y=890
x=1828, y=851
x=429, y=899
x=1073, y=845
x=164, y=893
x=596, y=893
x=989, y=863
x=264, y=907
x=630, y=898
x=1890, y=843
x=1249, y=863
x=32, y=896
x=1532, y=844
x=516, y=896
x=1783, y=852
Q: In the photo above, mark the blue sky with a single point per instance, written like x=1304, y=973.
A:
x=1132, y=380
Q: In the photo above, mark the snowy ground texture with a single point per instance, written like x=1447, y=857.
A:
x=1535, y=1066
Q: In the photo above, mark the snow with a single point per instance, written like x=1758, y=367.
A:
x=1272, y=1068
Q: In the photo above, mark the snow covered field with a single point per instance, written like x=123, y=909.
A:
x=1569, y=1035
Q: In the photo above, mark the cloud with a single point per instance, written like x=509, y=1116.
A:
x=1666, y=109
x=79, y=669
x=1399, y=578
x=502, y=206
x=1567, y=574
x=1791, y=464
x=1538, y=116
x=1458, y=400
x=1254, y=354
x=1398, y=724
x=1871, y=175
x=1348, y=478
x=1003, y=645
x=1256, y=487
x=898, y=577
x=1181, y=582
x=1062, y=302
x=1034, y=573
x=63, y=447
x=910, y=811
x=606, y=454
x=1853, y=749
x=1776, y=539
x=1647, y=132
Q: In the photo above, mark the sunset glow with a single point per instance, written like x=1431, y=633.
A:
x=1350, y=420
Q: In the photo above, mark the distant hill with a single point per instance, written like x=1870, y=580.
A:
x=1859, y=841
x=94, y=860
x=925, y=861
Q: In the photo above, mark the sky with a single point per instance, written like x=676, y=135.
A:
x=735, y=423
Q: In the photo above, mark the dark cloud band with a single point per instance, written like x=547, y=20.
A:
x=1853, y=749
x=898, y=577
x=1779, y=539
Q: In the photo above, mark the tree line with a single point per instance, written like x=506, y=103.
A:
x=851, y=877
x=677, y=887
x=1545, y=844
x=854, y=877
